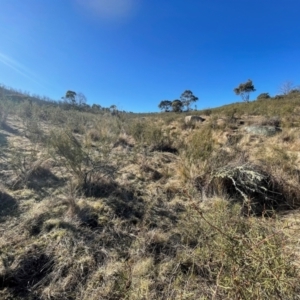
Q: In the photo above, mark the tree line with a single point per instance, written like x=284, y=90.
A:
x=243, y=89
x=71, y=100
x=187, y=98
x=179, y=105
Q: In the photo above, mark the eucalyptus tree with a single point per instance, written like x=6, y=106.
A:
x=177, y=106
x=244, y=90
x=165, y=105
x=187, y=98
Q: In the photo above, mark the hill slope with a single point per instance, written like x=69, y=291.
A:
x=95, y=206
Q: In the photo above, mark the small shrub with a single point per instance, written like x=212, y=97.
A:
x=25, y=109
x=159, y=140
x=271, y=121
x=263, y=96
x=23, y=164
x=57, y=116
x=3, y=116
x=206, y=112
x=76, y=124
x=137, y=129
x=201, y=145
x=169, y=118
x=233, y=139
x=153, y=136
x=69, y=149
x=294, y=92
x=278, y=97
x=94, y=135
x=32, y=130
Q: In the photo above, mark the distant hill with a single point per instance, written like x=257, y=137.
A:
x=19, y=96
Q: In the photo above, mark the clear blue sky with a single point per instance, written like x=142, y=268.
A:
x=135, y=53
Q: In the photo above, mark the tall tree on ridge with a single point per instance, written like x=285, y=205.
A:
x=187, y=98
x=244, y=89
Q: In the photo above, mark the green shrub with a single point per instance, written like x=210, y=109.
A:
x=170, y=117
x=76, y=122
x=295, y=92
x=279, y=97
x=201, y=144
x=94, y=135
x=25, y=109
x=57, y=116
x=263, y=96
x=23, y=164
x=32, y=130
x=137, y=129
x=67, y=147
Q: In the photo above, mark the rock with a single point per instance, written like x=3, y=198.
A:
x=263, y=130
x=193, y=119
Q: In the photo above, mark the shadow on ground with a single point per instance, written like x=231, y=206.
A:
x=126, y=204
x=41, y=178
x=10, y=129
x=3, y=140
x=31, y=269
x=8, y=206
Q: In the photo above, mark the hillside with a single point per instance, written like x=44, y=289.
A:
x=128, y=206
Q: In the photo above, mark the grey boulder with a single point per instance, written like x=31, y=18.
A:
x=263, y=130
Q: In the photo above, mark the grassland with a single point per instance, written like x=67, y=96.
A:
x=128, y=206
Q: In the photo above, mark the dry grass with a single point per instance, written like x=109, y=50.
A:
x=135, y=207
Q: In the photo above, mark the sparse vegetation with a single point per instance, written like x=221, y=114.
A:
x=101, y=205
x=286, y=87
